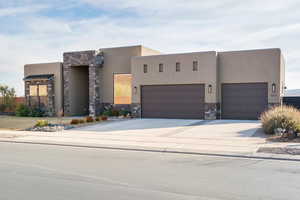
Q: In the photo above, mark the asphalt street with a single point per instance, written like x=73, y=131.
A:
x=30, y=171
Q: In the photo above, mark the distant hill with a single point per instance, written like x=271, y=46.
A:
x=294, y=92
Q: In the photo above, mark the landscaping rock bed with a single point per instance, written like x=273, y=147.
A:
x=51, y=128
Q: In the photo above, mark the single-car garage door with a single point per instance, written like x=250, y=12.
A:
x=244, y=100
x=173, y=101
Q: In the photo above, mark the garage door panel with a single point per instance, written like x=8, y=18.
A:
x=244, y=100
x=173, y=101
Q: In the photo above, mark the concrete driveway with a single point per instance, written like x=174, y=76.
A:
x=230, y=137
x=180, y=128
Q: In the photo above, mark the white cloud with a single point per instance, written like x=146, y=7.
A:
x=12, y=11
x=169, y=26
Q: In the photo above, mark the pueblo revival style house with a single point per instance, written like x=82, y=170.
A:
x=198, y=85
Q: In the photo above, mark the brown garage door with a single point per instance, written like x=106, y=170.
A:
x=173, y=101
x=244, y=100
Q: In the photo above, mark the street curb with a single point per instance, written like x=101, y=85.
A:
x=156, y=150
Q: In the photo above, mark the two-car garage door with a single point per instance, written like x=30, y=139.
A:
x=239, y=101
x=173, y=101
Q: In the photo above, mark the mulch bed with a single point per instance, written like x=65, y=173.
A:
x=283, y=139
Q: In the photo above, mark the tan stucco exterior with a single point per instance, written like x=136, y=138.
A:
x=252, y=66
x=118, y=61
x=214, y=68
x=206, y=74
x=49, y=68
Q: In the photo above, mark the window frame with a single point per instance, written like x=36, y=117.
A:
x=161, y=67
x=195, y=65
x=177, y=67
x=145, y=68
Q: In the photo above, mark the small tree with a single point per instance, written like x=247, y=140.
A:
x=8, y=97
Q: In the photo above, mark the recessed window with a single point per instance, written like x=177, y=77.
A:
x=122, y=88
x=145, y=68
x=177, y=67
x=195, y=65
x=161, y=67
x=43, y=91
x=33, y=91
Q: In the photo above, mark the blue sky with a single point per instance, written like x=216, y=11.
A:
x=35, y=31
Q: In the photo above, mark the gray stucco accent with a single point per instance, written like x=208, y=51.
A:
x=94, y=60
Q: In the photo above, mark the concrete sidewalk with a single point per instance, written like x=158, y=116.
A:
x=227, y=138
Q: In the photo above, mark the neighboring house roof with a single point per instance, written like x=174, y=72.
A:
x=292, y=93
x=39, y=76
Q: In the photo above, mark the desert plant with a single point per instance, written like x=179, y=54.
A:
x=74, y=121
x=23, y=110
x=286, y=118
x=107, y=112
x=42, y=123
x=115, y=113
x=103, y=118
x=89, y=119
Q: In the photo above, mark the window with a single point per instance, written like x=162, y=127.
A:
x=161, y=68
x=195, y=65
x=43, y=90
x=38, y=90
x=177, y=67
x=33, y=90
x=145, y=68
x=122, y=88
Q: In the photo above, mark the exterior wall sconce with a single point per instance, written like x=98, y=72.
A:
x=209, y=89
x=273, y=87
x=135, y=90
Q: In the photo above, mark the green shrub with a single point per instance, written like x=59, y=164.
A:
x=115, y=113
x=89, y=119
x=75, y=121
x=23, y=110
x=2, y=107
x=283, y=117
x=125, y=113
x=41, y=123
x=37, y=112
x=107, y=112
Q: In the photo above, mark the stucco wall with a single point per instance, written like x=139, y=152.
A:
x=251, y=66
x=49, y=68
x=206, y=73
x=118, y=60
x=79, y=90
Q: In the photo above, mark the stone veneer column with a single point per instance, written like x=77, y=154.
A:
x=94, y=90
x=210, y=111
x=51, y=97
x=94, y=60
x=66, y=82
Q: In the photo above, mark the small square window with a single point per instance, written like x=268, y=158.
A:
x=195, y=66
x=161, y=68
x=177, y=67
x=145, y=68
